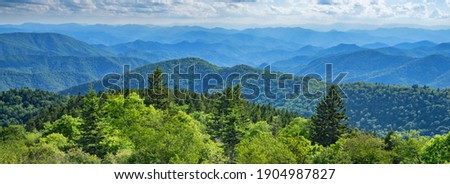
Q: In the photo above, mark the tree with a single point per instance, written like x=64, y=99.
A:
x=235, y=121
x=157, y=94
x=407, y=147
x=260, y=147
x=326, y=123
x=333, y=154
x=67, y=126
x=366, y=149
x=92, y=128
x=388, y=141
x=293, y=136
x=437, y=150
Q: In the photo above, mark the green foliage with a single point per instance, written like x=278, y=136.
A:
x=44, y=153
x=15, y=132
x=384, y=108
x=19, y=105
x=13, y=152
x=380, y=107
x=207, y=128
x=260, y=147
x=408, y=147
x=293, y=135
x=56, y=139
x=157, y=91
x=366, y=149
x=437, y=150
x=333, y=154
x=68, y=126
x=77, y=156
x=93, y=127
x=164, y=140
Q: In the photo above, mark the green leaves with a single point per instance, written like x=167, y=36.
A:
x=437, y=150
x=68, y=126
x=366, y=149
x=260, y=147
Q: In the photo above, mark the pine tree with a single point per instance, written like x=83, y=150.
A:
x=157, y=94
x=92, y=128
x=388, y=141
x=326, y=123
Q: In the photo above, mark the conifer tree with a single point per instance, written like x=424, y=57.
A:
x=157, y=94
x=326, y=123
x=92, y=128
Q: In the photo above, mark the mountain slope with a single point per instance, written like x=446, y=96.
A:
x=45, y=44
x=54, y=62
x=201, y=67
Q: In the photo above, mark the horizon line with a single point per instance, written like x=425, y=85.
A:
x=315, y=27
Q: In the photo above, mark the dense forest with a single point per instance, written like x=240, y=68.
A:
x=370, y=107
x=152, y=126
x=381, y=107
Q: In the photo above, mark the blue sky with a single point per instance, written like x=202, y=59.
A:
x=228, y=13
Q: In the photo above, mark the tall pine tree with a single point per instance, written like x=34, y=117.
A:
x=326, y=123
x=92, y=128
x=157, y=93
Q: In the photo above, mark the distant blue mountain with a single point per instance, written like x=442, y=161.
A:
x=340, y=49
x=375, y=66
x=375, y=45
x=288, y=64
x=116, y=34
x=415, y=45
x=292, y=50
x=223, y=53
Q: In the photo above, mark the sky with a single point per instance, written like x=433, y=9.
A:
x=229, y=13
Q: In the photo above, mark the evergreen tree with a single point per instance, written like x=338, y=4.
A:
x=388, y=141
x=157, y=94
x=326, y=123
x=92, y=128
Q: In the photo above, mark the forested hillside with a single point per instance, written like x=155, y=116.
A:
x=45, y=44
x=381, y=108
x=18, y=106
x=136, y=127
x=53, y=62
x=371, y=107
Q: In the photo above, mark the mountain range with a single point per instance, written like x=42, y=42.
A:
x=53, y=61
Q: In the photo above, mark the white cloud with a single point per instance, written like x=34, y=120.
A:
x=263, y=11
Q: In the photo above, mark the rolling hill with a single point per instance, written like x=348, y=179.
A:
x=51, y=44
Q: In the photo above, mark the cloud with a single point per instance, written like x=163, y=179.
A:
x=264, y=11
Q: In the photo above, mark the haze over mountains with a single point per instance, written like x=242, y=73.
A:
x=56, y=57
